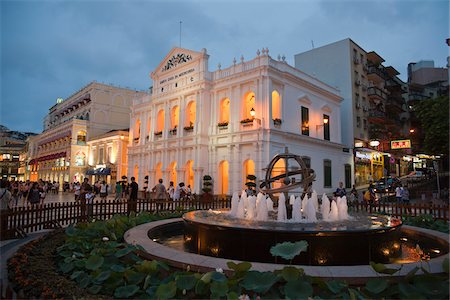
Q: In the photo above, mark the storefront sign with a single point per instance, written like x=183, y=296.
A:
x=363, y=155
x=401, y=144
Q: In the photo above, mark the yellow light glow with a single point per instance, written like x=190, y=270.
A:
x=404, y=239
x=276, y=105
x=325, y=121
x=215, y=250
x=436, y=251
x=386, y=252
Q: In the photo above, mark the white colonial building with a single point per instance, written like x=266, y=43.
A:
x=231, y=122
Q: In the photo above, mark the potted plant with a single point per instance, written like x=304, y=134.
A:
x=173, y=131
x=277, y=122
x=190, y=127
x=246, y=121
x=222, y=124
x=207, y=188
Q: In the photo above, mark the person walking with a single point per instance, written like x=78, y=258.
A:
x=34, y=194
x=103, y=190
x=134, y=187
x=160, y=193
x=118, y=191
x=405, y=195
x=76, y=190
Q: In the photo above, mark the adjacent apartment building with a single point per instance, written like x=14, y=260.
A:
x=231, y=122
x=60, y=152
x=373, y=109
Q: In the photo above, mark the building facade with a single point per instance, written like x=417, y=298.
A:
x=373, y=110
x=108, y=157
x=60, y=152
x=231, y=122
x=12, y=153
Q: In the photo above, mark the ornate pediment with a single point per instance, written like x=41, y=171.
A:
x=175, y=60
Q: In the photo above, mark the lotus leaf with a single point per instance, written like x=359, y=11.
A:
x=290, y=273
x=259, y=282
x=134, y=277
x=186, y=282
x=167, y=291
x=336, y=286
x=67, y=267
x=94, y=289
x=288, y=250
x=376, y=286
x=219, y=277
x=218, y=289
x=94, y=262
x=126, y=291
x=103, y=276
x=298, y=289
x=118, y=268
x=85, y=281
x=241, y=267
x=124, y=251
x=381, y=268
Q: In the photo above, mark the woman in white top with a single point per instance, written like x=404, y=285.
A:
x=103, y=190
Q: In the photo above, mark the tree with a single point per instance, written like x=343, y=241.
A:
x=433, y=115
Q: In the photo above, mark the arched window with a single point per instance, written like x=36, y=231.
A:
x=175, y=116
x=137, y=130
x=278, y=169
x=160, y=121
x=80, y=159
x=149, y=127
x=249, y=104
x=173, y=172
x=276, y=105
x=223, y=177
x=136, y=172
x=224, y=111
x=158, y=172
x=190, y=114
x=248, y=169
x=81, y=137
x=189, y=176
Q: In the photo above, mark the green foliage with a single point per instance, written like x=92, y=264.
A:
x=427, y=221
x=288, y=250
x=111, y=267
x=433, y=116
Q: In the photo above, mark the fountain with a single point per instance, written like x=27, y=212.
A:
x=252, y=226
x=250, y=229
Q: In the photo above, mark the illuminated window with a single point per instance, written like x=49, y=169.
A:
x=136, y=172
x=224, y=111
x=190, y=114
x=81, y=137
x=223, y=177
x=173, y=173
x=189, y=174
x=305, y=120
x=80, y=159
x=326, y=127
x=248, y=169
x=160, y=121
x=278, y=169
x=249, y=103
x=175, y=116
x=158, y=172
x=276, y=105
x=137, y=130
x=149, y=122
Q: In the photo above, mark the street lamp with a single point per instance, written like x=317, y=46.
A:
x=252, y=112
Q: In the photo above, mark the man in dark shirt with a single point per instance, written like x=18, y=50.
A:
x=133, y=195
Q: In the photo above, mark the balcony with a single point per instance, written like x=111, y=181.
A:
x=377, y=74
x=377, y=116
x=394, y=104
x=376, y=92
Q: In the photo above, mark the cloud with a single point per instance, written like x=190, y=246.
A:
x=50, y=49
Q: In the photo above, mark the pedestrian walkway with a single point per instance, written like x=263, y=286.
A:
x=60, y=197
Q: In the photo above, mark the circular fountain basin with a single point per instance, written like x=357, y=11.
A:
x=163, y=246
x=358, y=241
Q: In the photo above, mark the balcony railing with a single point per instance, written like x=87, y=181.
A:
x=374, y=91
x=377, y=71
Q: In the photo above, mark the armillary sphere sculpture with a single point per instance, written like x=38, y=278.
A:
x=307, y=177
